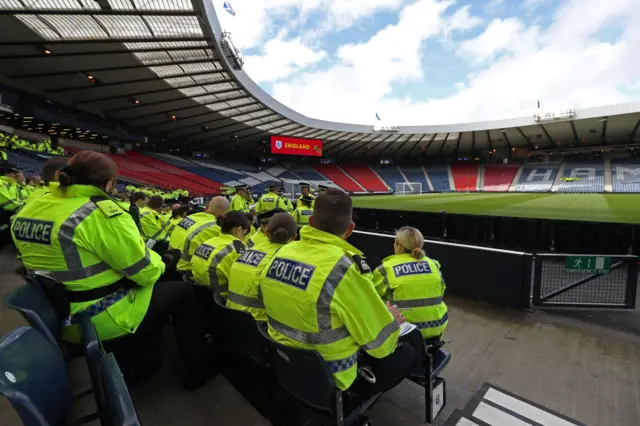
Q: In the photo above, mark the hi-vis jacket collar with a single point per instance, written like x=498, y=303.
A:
x=313, y=234
x=8, y=179
x=74, y=191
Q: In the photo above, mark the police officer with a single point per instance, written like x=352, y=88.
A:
x=240, y=201
x=195, y=229
x=414, y=283
x=178, y=212
x=150, y=220
x=271, y=200
x=304, y=210
x=78, y=236
x=244, y=276
x=287, y=202
x=318, y=296
x=50, y=177
x=322, y=188
x=260, y=236
x=10, y=201
x=212, y=260
x=305, y=188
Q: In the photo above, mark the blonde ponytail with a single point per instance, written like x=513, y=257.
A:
x=411, y=240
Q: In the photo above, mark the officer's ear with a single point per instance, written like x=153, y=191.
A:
x=349, y=231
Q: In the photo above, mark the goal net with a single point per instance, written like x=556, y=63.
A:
x=407, y=188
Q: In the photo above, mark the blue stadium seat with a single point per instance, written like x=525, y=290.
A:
x=416, y=174
x=34, y=378
x=625, y=175
x=590, y=178
x=537, y=177
x=390, y=174
x=439, y=176
x=120, y=409
x=307, y=173
x=25, y=163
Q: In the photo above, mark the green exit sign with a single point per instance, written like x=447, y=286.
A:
x=588, y=264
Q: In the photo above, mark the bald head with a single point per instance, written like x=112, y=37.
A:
x=218, y=206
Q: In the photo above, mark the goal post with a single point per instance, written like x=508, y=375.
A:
x=408, y=188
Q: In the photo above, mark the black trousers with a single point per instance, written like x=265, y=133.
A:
x=390, y=370
x=174, y=302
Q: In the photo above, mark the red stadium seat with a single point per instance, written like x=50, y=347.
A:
x=498, y=177
x=366, y=177
x=337, y=176
x=465, y=176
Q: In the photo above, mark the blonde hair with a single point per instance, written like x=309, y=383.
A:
x=412, y=241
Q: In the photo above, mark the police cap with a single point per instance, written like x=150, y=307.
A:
x=323, y=187
x=304, y=185
x=273, y=185
x=265, y=216
x=243, y=186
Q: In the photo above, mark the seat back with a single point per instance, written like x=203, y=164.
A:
x=34, y=377
x=93, y=352
x=120, y=406
x=304, y=374
x=31, y=301
x=244, y=336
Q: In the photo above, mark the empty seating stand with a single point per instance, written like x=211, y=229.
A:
x=625, y=175
x=537, y=177
x=337, y=176
x=306, y=173
x=590, y=178
x=366, y=177
x=439, y=176
x=416, y=174
x=498, y=177
x=465, y=176
x=390, y=173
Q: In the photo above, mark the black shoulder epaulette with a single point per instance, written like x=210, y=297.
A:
x=107, y=206
x=238, y=246
x=361, y=264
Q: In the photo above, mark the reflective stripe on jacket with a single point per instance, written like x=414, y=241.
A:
x=190, y=232
x=212, y=260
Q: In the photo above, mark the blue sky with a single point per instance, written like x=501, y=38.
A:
x=438, y=61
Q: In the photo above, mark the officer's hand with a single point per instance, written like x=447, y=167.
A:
x=397, y=315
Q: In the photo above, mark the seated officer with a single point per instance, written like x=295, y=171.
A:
x=212, y=260
x=50, y=177
x=414, y=283
x=244, y=277
x=260, y=236
x=150, y=220
x=78, y=236
x=304, y=210
x=178, y=212
x=318, y=295
x=195, y=229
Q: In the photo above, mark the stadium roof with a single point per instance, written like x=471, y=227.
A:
x=166, y=69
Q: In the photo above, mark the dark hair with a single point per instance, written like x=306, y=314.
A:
x=155, y=202
x=176, y=213
x=87, y=168
x=232, y=220
x=139, y=196
x=333, y=211
x=50, y=168
x=281, y=228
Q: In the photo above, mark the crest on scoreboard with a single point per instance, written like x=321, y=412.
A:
x=278, y=144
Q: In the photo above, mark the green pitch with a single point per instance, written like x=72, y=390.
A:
x=621, y=208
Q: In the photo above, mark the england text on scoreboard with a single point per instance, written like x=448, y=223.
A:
x=296, y=146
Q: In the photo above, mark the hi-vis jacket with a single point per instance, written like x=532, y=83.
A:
x=39, y=192
x=153, y=226
x=84, y=240
x=318, y=295
x=270, y=201
x=190, y=233
x=417, y=287
x=302, y=215
x=239, y=204
x=244, y=279
x=170, y=226
x=258, y=237
x=10, y=199
x=299, y=201
x=212, y=260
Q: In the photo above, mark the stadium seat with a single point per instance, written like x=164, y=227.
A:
x=390, y=173
x=416, y=174
x=498, y=177
x=337, y=176
x=439, y=176
x=318, y=389
x=120, y=408
x=589, y=178
x=465, y=176
x=366, y=178
x=435, y=361
x=34, y=378
x=537, y=177
x=625, y=175
x=307, y=173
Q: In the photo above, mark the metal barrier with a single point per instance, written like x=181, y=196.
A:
x=499, y=276
x=585, y=281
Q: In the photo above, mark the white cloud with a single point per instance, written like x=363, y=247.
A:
x=461, y=20
x=280, y=59
x=569, y=64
